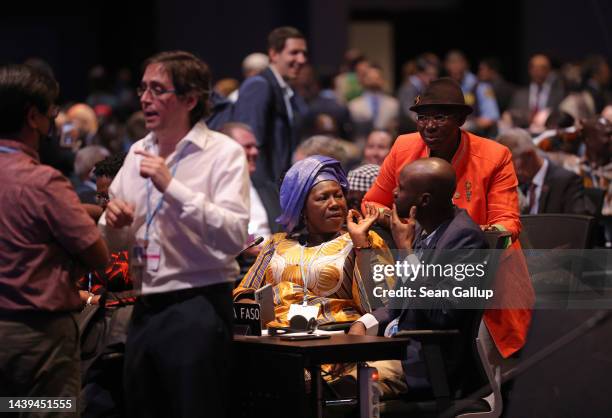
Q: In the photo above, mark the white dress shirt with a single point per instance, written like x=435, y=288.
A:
x=538, y=182
x=258, y=223
x=539, y=99
x=202, y=222
x=287, y=92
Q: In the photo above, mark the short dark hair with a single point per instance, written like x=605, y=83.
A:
x=189, y=75
x=22, y=87
x=278, y=37
x=109, y=167
x=492, y=63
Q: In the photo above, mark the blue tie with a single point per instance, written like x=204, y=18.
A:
x=375, y=106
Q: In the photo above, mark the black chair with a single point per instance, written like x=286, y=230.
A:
x=596, y=197
x=556, y=231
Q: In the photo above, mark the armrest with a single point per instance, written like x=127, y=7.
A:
x=428, y=335
x=336, y=326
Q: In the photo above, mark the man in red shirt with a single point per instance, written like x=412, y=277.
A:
x=46, y=237
x=486, y=189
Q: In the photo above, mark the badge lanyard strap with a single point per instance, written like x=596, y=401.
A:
x=8, y=150
x=151, y=215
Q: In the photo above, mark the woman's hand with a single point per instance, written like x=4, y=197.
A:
x=358, y=226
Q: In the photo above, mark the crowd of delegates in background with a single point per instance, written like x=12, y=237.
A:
x=354, y=117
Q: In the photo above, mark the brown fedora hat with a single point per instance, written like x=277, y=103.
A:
x=442, y=92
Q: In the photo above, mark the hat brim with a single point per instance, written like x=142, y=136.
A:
x=466, y=109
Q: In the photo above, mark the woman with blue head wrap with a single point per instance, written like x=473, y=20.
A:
x=315, y=261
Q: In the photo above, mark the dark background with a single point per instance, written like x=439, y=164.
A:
x=222, y=32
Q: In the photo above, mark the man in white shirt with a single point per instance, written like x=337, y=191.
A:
x=181, y=202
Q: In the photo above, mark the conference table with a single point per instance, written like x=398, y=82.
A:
x=268, y=373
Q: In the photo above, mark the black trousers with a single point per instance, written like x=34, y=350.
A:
x=178, y=350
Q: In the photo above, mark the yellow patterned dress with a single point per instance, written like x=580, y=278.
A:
x=333, y=280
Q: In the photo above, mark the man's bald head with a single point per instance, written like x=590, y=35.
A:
x=429, y=182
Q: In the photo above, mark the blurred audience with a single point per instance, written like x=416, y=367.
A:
x=544, y=187
x=84, y=119
x=325, y=102
x=327, y=146
x=489, y=71
x=360, y=180
x=252, y=65
x=377, y=147
x=84, y=162
x=349, y=83
x=425, y=71
x=478, y=94
x=545, y=90
x=374, y=109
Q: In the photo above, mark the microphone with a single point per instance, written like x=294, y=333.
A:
x=255, y=243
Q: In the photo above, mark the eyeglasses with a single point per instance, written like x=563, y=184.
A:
x=441, y=118
x=156, y=90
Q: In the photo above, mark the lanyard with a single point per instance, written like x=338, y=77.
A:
x=151, y=215
x=8, y=150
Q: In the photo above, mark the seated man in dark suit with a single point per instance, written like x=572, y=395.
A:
x=434, y=227
x=545, y=186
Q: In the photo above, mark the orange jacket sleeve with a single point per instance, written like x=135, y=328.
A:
x=502, y=199
x=381, y=192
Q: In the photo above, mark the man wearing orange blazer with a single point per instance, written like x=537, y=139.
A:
x=486, y=188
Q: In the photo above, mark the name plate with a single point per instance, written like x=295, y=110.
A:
x=247, y=318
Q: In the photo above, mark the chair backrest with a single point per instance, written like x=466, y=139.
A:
x=548, y=231
x=497, y=239
x=596, y=197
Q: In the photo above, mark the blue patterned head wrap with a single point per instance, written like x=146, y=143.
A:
x=298, y=182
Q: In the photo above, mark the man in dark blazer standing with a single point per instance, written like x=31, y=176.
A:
x=269, y=106
x=545, y=187
x=436, y=232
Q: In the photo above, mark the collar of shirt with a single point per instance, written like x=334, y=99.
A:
x=20, y=146
x=538, y=179
x=287, y=91
x=198, y=135
x=426, y=241
x=328, y=94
